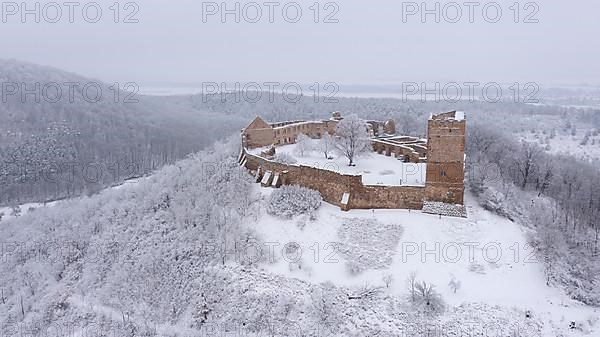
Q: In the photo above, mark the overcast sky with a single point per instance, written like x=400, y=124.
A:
x=370, y=43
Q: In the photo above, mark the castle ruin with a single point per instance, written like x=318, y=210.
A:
x=443, y=152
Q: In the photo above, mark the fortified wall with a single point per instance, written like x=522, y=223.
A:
x=443, y=152
x=333, y=186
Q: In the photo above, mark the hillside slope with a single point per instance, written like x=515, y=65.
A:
x=62, y=134
x=175, y=254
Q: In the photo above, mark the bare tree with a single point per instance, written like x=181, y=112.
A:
x=526, y=162
x=428, y=298
x=543, y=183
x=326, y=144
x=388, y=279
x=480, y=140
x=303, y=145
x=454, y=284
x=323, y=302
x=22, y=306
x=365, y=291
x=410, y=125
x=352, y=138
x=412, y=282
x=550, y=242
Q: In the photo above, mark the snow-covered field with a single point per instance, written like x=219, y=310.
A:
x=376, y=169
x=9, y=212
x=568, y=144
x=487, y=254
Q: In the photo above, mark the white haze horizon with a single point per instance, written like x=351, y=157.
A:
x=377, y=43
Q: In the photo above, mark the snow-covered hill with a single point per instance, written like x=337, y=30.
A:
x=192, y=250
x=64, y=135
x=488, y=255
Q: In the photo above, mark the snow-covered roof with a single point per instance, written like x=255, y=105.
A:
x=451, y=115
x=294, y=124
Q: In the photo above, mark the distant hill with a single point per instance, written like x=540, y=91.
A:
x=59, y=138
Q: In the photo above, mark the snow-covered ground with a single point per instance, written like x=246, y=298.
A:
x=376, y=169
x=487, y=254
x=8, y=213
x=568, y=144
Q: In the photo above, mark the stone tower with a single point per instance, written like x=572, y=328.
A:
x=446, y=158
x=389, y=127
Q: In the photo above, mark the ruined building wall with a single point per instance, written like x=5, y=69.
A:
x=289, y=133
x=330, y=184
x=333, y=185
x=258, y=134
x=399, y=151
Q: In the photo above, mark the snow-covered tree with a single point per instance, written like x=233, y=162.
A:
x=285, y=158
x=352, y=138
x=289, y=201
x=304, y=145
x=454, y=284
x=15, y=211
x=526, y=164
x=428, y=299
x=323, y=300
x=411, y=283
x=326, y=144
x=388, y=279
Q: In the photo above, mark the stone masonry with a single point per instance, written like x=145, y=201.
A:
x=444, y=153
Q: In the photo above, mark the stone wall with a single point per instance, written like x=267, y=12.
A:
x=404, y=152
x=258, y=134
x=392, y=197
x=287, y=134
x=333, y=185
